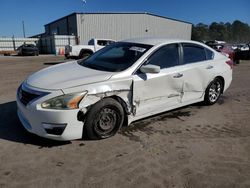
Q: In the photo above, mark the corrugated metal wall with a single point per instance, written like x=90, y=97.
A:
x=52, y=44
x=123, y=26
x=64, y=26
x=11, y=44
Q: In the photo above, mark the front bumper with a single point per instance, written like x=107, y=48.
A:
x=71, y=53
x=28, y=53
x=228, y=77
x=36, y=119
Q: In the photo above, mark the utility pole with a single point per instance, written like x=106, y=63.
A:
x=23, y=29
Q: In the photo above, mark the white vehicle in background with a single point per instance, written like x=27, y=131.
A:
x=121, y=83
x=82, y=51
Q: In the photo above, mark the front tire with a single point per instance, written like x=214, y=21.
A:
x=213, y=91
x=104, y=119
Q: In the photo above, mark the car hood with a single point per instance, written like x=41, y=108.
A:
x=66, y=75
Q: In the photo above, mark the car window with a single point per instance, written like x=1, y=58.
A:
x=110, y=42
x=91, y=42
x=210, y=54
x=116, y=57
x=118, y=52
x=28, y=45
x=193, y=53
x=102, y=42
x=165, y=57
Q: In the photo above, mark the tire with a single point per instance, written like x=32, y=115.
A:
x=66, y=56
x=84, y=55
x=213, y=91
x=104, y=119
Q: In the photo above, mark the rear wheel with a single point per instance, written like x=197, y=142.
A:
x=84, y=54
x=213, y=91
x=104, y=119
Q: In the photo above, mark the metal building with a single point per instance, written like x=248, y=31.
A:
x=118, y=26
x=10, y=45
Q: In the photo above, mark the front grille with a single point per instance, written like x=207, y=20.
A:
x=25, y=97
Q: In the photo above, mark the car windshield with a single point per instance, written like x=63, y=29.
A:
x=116, y=57
x=28, y=45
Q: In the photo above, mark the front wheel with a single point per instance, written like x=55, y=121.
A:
x=104, y=119
x=213, y=91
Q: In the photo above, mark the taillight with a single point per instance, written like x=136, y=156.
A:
x=230, y=63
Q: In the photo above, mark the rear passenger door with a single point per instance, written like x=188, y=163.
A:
x=197, y=70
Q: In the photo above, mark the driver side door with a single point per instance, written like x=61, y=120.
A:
x=154, y=92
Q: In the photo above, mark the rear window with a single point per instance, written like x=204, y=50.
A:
x=210, y=54
x=91, y=42
x=193, y=53
x=104, y=42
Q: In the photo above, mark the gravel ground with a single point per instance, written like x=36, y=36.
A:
x=191, y=147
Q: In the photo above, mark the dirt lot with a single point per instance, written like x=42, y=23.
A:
x=192, y=147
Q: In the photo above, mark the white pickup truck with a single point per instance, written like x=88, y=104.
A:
x=82, y=51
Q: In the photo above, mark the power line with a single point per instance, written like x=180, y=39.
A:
x=23, y=29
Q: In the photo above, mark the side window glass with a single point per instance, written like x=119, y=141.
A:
x=109, y=42
x=210, y=54
x=193, y=53
x=165, y=57
x=91, y=42
x=102, y=42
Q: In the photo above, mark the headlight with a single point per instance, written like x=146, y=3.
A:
x=68, y=101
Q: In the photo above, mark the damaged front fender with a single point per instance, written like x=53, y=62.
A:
x=120, y=89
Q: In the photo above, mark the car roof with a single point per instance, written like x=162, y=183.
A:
x=158, y=41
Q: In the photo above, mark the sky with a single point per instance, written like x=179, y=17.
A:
x=37, y=13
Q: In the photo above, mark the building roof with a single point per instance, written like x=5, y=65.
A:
x=118, y=13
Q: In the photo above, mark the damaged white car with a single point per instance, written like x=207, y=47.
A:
x=119, y=84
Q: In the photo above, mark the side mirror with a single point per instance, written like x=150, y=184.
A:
x=154, y=69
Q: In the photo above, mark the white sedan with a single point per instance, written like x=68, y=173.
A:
x=119, y=84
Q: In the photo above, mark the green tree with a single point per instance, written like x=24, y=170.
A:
x=240, y=31
x=200, y=32
x=237, y=32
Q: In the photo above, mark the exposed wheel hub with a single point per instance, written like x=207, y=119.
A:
x=214, y=91
x=106, y=121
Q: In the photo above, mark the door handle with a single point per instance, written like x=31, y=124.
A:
x=178, y=75
x=210, y=67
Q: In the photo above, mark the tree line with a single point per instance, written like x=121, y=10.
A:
x=237, y=32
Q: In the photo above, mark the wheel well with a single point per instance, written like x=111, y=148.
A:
x=86, y=51
x=81, y=115
x=124, y=106
x=222, y=80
